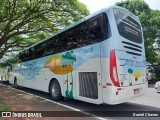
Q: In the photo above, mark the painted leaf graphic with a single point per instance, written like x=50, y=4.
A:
x=55, y=65
x=130, y=71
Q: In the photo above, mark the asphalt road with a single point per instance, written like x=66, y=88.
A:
x=149, y=102
x=151, y=98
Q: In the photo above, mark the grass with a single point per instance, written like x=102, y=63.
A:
x=3, y=107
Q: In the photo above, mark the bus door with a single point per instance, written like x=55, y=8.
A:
x=130, y=68
x=88, y=86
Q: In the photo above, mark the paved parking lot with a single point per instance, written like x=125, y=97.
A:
x=21, y=101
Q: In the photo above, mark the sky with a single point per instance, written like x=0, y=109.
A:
x=94, y=5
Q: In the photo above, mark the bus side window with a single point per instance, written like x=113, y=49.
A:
x=35, y=52
x=106, y=31
x=20, y=57
x=39, y=50
x=24, y=56
x=94, y=26
x=90, y=31
x=70, y=38
x=31, y=55
x=52, y=46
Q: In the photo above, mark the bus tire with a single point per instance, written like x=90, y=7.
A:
x=55, y=90
x=15, y=83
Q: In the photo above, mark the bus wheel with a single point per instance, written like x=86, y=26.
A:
x=55, y=90
x=15, y=83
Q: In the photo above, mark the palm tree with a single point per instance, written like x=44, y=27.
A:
x=67, y=60
x=130, y=71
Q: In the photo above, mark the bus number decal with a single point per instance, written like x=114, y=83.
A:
x=88, y=50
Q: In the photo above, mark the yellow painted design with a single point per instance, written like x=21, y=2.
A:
x=55, y=66
x=137, y=74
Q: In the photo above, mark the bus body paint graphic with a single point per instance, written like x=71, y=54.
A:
x=137, y=75
x=68, y=59
x=61, y=65
x=55, y=66
x=130, y=71
x=135, y=68
x=58, y=64
x=132, y=63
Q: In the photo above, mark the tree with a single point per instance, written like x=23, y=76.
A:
x=24, y=22
x=150, y=21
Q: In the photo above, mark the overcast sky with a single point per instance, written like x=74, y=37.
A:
x=94, y=5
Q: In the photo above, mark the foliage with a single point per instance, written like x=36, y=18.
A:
x=24, y=22
x=150, y=20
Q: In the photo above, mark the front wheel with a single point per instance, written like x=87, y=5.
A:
x=55, y=90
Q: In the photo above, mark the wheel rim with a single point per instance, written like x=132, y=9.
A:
x=55, y=89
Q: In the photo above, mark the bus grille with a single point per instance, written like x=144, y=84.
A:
x=88, y=85
x=132, y=48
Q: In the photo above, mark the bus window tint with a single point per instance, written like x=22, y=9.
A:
x=86, y=33
x=23, y=56
x=89, y=32
x=128, y=27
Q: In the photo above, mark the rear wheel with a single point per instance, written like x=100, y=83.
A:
x=55, y=90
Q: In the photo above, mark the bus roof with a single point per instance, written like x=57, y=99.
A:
x=82, y=20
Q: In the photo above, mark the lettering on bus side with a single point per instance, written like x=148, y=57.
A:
x=88, y=50
x=132, y=63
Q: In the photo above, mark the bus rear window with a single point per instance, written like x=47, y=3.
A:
x=128, y=27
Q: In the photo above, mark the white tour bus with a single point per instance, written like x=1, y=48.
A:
x=99, y=59
x=4, y=72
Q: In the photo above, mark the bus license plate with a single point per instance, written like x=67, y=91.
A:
x=136, y=91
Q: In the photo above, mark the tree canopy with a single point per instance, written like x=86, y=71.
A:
x=150, y=20
x=24, y=22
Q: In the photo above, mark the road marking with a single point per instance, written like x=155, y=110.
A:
x=146, y=103
x=75, y=109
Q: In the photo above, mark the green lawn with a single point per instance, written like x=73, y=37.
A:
x=3, y=107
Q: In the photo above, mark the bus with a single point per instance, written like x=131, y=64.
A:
x=99, y=59
x=4, y=72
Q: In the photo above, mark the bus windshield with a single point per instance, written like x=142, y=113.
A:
x=128, y=27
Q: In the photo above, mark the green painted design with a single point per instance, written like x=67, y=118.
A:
x=67, y=60
x=130, y=71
